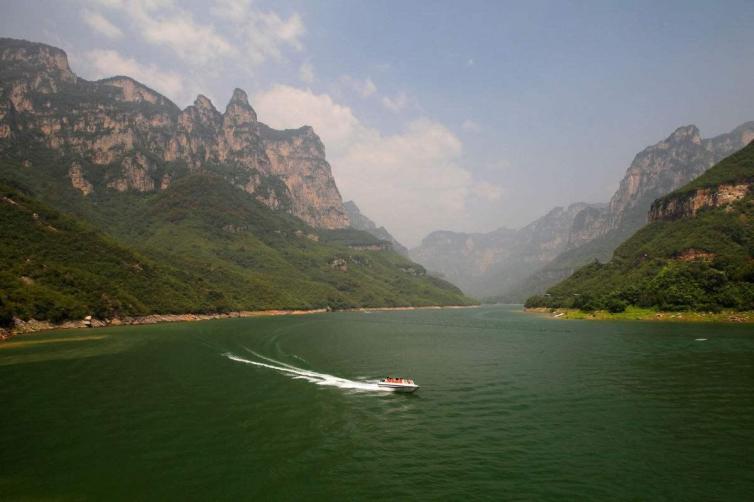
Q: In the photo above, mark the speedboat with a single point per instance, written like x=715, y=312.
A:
x=398, y=384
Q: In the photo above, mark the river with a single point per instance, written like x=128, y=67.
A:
x=512, y=406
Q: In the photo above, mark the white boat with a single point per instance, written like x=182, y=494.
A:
x=398, y=384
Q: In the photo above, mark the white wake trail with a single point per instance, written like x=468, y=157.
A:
x=309, y=376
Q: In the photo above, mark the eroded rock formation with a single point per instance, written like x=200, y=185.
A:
x=688, y=205
x=119, y=134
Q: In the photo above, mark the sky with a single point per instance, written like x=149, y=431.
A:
x=436, y=115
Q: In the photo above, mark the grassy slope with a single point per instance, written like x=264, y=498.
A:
x=203, y=245
x=645, y=270
x=53, y=267
x=208, y=224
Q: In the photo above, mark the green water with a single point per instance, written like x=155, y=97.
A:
x=512, y=406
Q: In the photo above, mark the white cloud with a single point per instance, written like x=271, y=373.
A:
x=395, y=104
x=285, y=107
x=191, y=41
x=100, y=24
x=470, y=126
x=263, y=34
x=106, y=63
x=250, y=36
x=306, y=72
x=363, y=88
x=412, y=182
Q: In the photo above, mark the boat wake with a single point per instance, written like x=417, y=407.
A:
x=308, y=375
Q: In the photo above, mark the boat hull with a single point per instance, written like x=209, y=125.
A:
x=396, y=387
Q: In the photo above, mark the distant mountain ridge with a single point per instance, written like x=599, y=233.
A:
x=361, y=222
x=659, y=169
x=484, y=264
x=595, y=230
x=696, y=253
x=656, y=171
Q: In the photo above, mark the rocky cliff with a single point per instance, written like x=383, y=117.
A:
x=689, y=205
x=720, y=187
x=658, y=170
x=510, y=265
x=695, y=253
x=361, y=222
x=117, y=134
x=655, y=171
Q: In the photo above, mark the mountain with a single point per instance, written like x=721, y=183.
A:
x=505, y=265
x=118, y=134
x=486, y=264
x=361, y=222
x=172, y=211
x=697, y=252
x=654, y=172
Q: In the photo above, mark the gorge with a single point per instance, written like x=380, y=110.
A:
x=509, y=266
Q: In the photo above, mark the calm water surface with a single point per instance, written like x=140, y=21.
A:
x=512, y=406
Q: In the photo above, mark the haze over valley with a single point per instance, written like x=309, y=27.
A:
x=353, y=250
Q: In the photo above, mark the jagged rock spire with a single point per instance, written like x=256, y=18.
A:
x=686, y=133
x=239, y=111
x=204, y=103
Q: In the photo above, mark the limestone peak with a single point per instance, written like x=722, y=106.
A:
x=204, y=103
x=239, y=97
x=41, y=57
x=239, y=110
x=686, y=133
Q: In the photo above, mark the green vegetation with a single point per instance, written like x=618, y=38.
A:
x=201, y=246
x=704, y=263
x=647, y=314
x=55, y=268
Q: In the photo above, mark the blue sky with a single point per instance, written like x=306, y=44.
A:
x=436, y=115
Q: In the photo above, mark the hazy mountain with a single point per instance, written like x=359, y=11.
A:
x=655, y=171
x=507, y=265
x=361, y=222
x=695, y=253
x=486, y=264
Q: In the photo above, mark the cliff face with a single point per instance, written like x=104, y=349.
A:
x=725, y=184
x=118, y=134
x=513, y=265
x=694, y=254
x=486, y=264
x=298, y=158
x=360, y=222
x=658, y=170
x=688, y=205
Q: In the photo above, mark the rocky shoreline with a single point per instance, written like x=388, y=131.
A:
x=32, y=326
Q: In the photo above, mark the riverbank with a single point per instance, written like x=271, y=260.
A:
x=642, y=314
x=32, y=326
